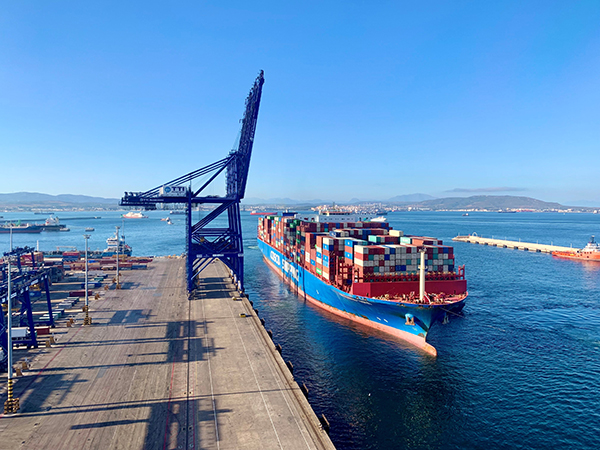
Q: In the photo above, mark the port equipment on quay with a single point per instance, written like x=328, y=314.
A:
x=22, y=281
x=162, y=369
x=517, y=245
x=204, y=244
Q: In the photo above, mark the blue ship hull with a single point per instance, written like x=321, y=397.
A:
x=407, y=321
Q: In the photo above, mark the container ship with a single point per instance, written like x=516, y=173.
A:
x=366, y=271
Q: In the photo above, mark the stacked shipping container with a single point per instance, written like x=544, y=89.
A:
x=370, y=248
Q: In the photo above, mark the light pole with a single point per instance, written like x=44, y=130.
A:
x=118, y=286
x=88, y=319
x=12, y=404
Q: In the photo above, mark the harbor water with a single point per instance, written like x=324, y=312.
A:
x=519, y=369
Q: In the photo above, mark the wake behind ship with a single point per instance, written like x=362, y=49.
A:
x=366, y=271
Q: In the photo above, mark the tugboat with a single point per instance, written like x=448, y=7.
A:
x=112, y=246
x=591, y=252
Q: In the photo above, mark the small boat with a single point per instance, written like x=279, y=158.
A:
x=169, y=221
x=260, y=213
x=134, y=215
x=378, y=219
x=591, y=253
x=176, y=211
x=89, y=229
x=165, y=219
x=465, y=214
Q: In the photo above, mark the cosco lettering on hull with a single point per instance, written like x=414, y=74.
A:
x=275, y=258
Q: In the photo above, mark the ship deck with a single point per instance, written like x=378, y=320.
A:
x=156, y=371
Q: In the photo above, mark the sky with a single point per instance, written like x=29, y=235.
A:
x=361, y=99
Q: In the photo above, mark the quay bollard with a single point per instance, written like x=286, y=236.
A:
x=262, y=322
x=290, y=366
x=270, y=333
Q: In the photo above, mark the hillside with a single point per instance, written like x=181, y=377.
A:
x=37, y=200
x=490, y=202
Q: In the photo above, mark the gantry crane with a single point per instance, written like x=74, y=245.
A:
x=204, y=243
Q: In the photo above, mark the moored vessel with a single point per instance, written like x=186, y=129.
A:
x=591, y=252
x=116, y=245
x=20, y=228
x=52, y=223
x=365, y=271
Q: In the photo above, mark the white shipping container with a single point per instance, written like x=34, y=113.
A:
x=19, y=332
x=396, y=233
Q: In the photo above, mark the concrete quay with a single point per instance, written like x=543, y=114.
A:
x=517, y=245
x=156, y=370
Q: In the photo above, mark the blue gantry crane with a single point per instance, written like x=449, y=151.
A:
x=22, y=280
x=204, y=242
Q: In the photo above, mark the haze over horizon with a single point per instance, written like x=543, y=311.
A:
x=360, y=100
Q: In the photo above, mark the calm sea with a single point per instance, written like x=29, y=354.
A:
x=521, y=369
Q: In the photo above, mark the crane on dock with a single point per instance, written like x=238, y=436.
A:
x=204, y=242
x=23, y=279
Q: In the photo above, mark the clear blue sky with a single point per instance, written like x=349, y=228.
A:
x=361, y=99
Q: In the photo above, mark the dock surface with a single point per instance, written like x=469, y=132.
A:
x=158, y=371
x=518, y=245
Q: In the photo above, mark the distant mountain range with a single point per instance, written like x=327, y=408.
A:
x=410, y=198
x=489, y=202
x=36, y=199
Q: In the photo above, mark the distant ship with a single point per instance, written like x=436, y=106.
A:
x=175, y=211
x=134, y=215
x=20, y=228
x=591, y=252
x=53, y=224
x=115, y=246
